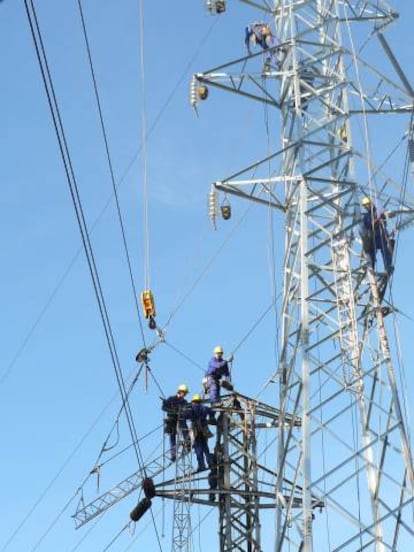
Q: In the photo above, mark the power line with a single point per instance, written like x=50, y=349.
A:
x=111, y=170
x=151, y=128
x=71, y=180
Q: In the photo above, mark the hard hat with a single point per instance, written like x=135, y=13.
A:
x=196, y=398
x=183, y=387
x=218, y=349
x=366, y=201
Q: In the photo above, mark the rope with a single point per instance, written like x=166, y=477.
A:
x=87, y=533
x=184, y=356
x=144, y=147
x=116, y=537
x=116, y=422
x=36, y=35
x=271, y=233
x=111, y=170
x=152, y=127
x=72, y=183
x=125, y=449
x=206, y=267
x=402, y=371
x=251, y=330
x=371, y=187
x=38, y=319
x=52, y=524
x=60, y=471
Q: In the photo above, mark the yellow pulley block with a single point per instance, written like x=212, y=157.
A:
x=148, y=305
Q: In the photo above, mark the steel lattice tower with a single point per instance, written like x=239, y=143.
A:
x=244, y=481
x=336, y=369
x=334, y=449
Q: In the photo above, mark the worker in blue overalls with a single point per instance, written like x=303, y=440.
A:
x=218, y=368
x=261, y=34
x=375, y=235
x=199, y=414
x=175, y=407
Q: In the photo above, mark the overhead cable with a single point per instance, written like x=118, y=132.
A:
x=71, y=180
x=110, y=165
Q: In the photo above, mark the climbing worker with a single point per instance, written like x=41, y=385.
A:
x=218, y=368
x=213, y=478
x=175, y=407
x=199, y=414
x=216, y=474
x=261, y=34
x=375, y=235
x=306, y=76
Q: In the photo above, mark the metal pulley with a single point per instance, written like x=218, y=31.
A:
x=142, y=355
x=198, y=92
x=216, y=6
x=225, y=209
x=220, y=6
x=202, y=92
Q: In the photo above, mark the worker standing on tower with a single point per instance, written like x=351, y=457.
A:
x=261, y=34
x=218, y=368
x=175, y=407
x=198, y=414
x=375, y=235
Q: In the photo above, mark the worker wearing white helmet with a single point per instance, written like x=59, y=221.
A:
x=175, y=422
x=218, y=368
x=375, y=235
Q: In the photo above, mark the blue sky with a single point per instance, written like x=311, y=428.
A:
x=57, y=384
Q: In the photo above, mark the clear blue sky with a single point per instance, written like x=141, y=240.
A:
x=57, y=383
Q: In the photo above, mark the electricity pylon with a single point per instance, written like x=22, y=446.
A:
x=240, y=484
x=329, y=467
x=336, y=371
